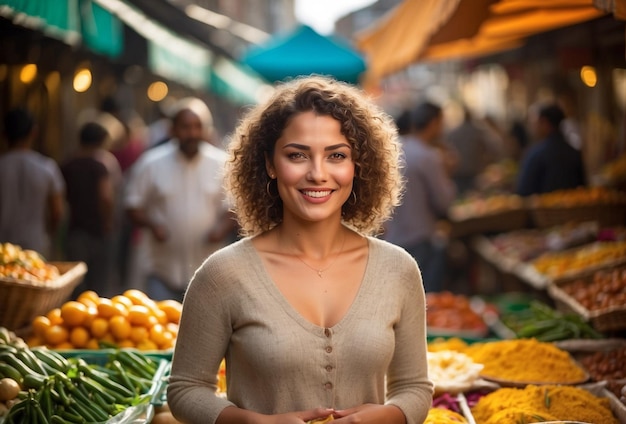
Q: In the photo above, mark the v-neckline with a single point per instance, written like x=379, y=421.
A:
x=273, y=289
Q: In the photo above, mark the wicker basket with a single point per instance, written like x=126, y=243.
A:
x=21, y=301
x=608, y=319
x=604, y=215
x=508, y=220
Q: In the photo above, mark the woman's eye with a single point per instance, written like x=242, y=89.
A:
x=338, y=155
x=296, y=155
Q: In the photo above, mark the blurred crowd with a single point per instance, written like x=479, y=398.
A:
x=143, y=204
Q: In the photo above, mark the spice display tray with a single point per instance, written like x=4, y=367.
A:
x=608, y=319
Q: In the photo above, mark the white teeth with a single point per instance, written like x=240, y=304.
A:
x=317, y=193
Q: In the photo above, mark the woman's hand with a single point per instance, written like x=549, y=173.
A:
x=237, y=415
x=370, y=413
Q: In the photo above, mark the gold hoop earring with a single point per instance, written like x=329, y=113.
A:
x=267, y=189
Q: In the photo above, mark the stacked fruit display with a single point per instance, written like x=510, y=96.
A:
x=583, y=196
x=130, y=319
x=479, y=206
x=25, y=265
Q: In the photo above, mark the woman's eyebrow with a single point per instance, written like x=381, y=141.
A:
x=305, y=147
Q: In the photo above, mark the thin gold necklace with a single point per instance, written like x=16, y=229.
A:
x=322, y=270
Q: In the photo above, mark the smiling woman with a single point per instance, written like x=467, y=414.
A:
x=313, y=173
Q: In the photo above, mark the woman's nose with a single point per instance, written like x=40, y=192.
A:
x=317, y=171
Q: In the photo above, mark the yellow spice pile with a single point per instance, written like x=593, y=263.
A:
x=526, y=360
x=542, y=403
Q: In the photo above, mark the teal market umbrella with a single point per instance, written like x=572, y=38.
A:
x=303, y=52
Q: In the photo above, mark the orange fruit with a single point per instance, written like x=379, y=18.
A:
x=126, y=343
x=147, y=345
x=172, y=328
x=93, y=344
x=73, y=313
x=138, y=333
x=152, y=320
x=99, y=327
x=139, y=315
x=108, y=309
x=92, y=313
x=88, y=296
x=161, y=316
x=120, y=298
x=79, y=337
x=63, y=346
x=119, y=327
x=157, y=332
x=172, y=309
x=136, y=296
x=108, y=337
x=56, y=334
x=168, y=345
x=87, y=302
x=168, y=340
x=40, y=324
x=54, y=315
x=35, y=341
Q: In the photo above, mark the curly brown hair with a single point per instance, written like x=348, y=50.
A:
x=370, y=131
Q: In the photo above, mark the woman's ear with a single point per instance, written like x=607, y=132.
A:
x=269, y=167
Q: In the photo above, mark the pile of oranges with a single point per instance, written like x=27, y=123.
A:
x=130, y=319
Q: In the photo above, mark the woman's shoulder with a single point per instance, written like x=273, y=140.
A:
x=238, y=251
x=386, y=251
x=392, y=263
x=226, y=264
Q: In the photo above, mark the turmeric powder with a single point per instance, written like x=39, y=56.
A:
x=444, y=416
x=542, y=403
x=526, y=361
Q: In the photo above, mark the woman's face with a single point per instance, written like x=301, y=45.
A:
x=313, y=167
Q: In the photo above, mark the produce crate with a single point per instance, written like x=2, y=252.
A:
x=21, y=301
x=604, y=215
x=506, y=220
x=607, y=319
x=143, y=412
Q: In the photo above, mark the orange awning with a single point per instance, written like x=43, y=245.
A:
x=420, y=30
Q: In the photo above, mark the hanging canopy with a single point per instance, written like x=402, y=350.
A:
x=303, y=52
x=424, y=30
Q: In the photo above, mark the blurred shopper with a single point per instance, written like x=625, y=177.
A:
x=31, y=188
x=552, y=163
x=429, y=193
x=133, y=144
x=475, y=151
x=175, y=192
x=92, y=182
x=127, y=153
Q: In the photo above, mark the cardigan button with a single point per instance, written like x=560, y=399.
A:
x=329, y=349
x=328, y=386
x=329, y=368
